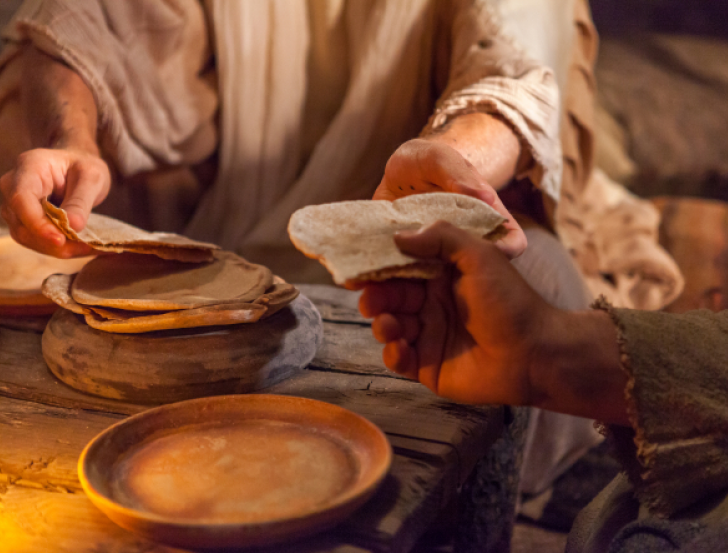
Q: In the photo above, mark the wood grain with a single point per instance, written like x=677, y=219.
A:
x=37, y=521
x=41, y=444
x=423, y=478
x=44, y=425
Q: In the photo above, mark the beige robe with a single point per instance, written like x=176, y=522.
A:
x=314, y=96
x=308, y=99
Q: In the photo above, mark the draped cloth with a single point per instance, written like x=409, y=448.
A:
x=305, y=101
x=313, y=96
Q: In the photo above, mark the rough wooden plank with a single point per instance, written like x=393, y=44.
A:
x=351, y=348
x=334, y=303
x=423, y=477
x=404, y=408
x=410, y=499
x=347, y=348
x=398, y=406
x=36, y=521
x=40, y=444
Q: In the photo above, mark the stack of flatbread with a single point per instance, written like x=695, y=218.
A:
x=355, y=240
x=161, y=281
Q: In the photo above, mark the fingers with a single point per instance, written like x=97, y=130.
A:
x=28, y=222
x=440, y=240
x=82, y=179
x=514, y=243
x=388, y=328
x=401, y=358
x=392, y=296
x=87, y=185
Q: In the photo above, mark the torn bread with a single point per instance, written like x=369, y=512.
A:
x=279, y=294
x=135, y=282
x=111, y=235
x=355, y=240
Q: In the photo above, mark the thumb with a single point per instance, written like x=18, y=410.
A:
x=440, y=240
x=85, y=189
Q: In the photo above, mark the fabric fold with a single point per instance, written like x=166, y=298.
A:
x=675, y=451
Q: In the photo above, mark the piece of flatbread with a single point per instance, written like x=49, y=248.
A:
x=111, y=235
x=355, y=240
x=135, y=282
x=279, y=294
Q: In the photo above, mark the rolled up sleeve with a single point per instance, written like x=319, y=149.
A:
x=144, y=62
x=490, y=73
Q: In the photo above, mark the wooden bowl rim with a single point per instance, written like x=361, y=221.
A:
x=359, y=491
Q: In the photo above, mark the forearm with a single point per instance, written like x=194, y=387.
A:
x=487, y=142
x=577, y=367
x=60, y=108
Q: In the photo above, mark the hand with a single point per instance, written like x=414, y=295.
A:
x=421, y=165
x=471, y=335
x=82, y=179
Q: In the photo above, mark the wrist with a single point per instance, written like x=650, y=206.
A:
x=577, y=369
x=84, y=145
x=486, y=141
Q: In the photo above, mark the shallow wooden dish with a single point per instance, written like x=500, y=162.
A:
x=234, y=471
x=174, y=365
x=22, y=272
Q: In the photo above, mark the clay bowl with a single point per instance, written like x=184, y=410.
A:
x=234, y=471
x=22, y=272
x=175, y=365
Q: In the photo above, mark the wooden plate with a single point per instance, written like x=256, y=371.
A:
x=234, y=471
x=22, y=272
x=174, y=365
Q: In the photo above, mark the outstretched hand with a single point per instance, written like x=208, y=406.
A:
x=80, y=178
x=421, y=165
x=470, y=335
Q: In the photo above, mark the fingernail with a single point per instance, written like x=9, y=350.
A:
x=407, y=233
x=56, y=238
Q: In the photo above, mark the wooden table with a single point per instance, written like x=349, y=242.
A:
x=44, y=425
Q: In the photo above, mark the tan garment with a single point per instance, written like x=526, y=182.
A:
x=675, y=452
x=145, y=62
x=609, y=231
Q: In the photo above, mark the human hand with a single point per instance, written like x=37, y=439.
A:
x=471, y=335
x=421, y=165
x=82, y=179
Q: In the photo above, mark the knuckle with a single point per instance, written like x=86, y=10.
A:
x=29, y=157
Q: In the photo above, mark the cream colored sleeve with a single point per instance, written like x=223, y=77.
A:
x=143, y=60
x=677, y=393
x=489, y=72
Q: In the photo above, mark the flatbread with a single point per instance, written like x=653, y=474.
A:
x=215, y=315
x=355, y=240
x=111, y=235
x=135, y=282
x=278, y=295
x=57, y=288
